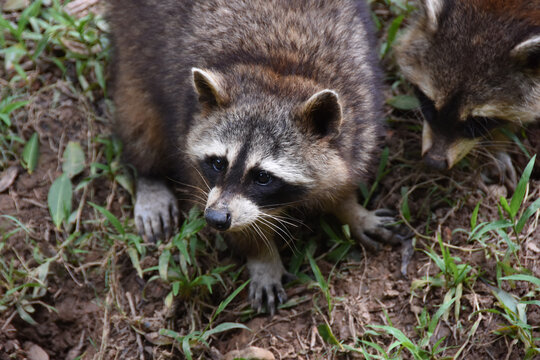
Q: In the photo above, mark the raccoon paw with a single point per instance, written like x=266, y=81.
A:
x=156, y=211
x=378, y=226
x=266, y=285
x=503, y=172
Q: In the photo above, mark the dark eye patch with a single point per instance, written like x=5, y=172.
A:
x=475, y=127
x=213, y=167
x=427, y=106
x=270, y=191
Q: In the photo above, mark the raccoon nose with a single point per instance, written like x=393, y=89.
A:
x=218, y=219
x=435, y=162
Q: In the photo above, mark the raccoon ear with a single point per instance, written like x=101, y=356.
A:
x=321, y=114
x=209, y=88
x=433, y=9
x=527, y=53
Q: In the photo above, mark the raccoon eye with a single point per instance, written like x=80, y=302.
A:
x=475, y=127
x=219, y=164
x=263, y=178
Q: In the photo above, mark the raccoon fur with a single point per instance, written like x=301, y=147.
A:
x=255, y=107
x=476, y=65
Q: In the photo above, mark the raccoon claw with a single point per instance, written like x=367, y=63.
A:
x=266, y=286
x=507, y=172
x=270, y=292
x=156, y=212
x=385, y=213
x=504, y=171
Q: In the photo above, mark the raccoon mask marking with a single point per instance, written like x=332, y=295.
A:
x=252, y=174
x=476, y=66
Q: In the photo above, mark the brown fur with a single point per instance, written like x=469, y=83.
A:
x=519, y=9
x=464, y=56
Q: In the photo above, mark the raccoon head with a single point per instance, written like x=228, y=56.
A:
x=476, y=67
x=254, y=153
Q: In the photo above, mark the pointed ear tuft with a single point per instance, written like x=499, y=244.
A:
x=527, y=53
x=433, y=9
x=321, y=114
x=209, y=87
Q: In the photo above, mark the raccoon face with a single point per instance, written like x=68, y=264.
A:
x=251, y=154
x=476, y=67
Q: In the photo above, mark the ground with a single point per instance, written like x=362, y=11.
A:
x=77, y=282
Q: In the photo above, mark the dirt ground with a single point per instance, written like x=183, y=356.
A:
x=95, y=306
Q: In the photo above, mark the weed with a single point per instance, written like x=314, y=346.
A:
x=48, y=34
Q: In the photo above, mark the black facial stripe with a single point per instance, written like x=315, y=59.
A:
x=234, y=175
x=427, y=106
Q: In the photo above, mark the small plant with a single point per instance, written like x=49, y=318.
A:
x=22, y=285
x=184, y=275
x=509, y=227
x=48, y=34
x=9, y=141
x=453, y=276
x=197, y=337
x=514, y=311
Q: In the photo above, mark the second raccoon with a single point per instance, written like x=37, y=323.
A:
x=476, y=65
x=258, y=106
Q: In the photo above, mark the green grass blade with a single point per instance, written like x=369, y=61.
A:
x=229, y=298
x=327, y=335
x=164, y=264
x=30, y=153
x=519, y=194
x=112, y=219
x=223, y=327
x=474, y=215
x=522, y=277
x=530, y=211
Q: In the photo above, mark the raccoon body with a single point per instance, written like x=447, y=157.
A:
x=476, y=64
x=255, y=107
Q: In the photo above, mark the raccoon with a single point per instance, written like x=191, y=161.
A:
x=476, y=66
x=255, y=107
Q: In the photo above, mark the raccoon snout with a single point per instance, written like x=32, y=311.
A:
x=218, y=219
x=435, y=162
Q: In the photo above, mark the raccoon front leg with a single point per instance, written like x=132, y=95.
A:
x=266, y=272
x=368, y=227
x=156, y=209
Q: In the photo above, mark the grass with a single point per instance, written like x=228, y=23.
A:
x=472, y=280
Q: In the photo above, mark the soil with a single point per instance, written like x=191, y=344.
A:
x=85, y=314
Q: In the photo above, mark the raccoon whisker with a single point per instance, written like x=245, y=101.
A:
x=264, y=238
x=275, y=227
x=260, y=234
x=282, y=232
x=194, y=197
x=280, y=219
x=282, y=204
x=196, y=202
x=191, y=186
x=201, y=176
